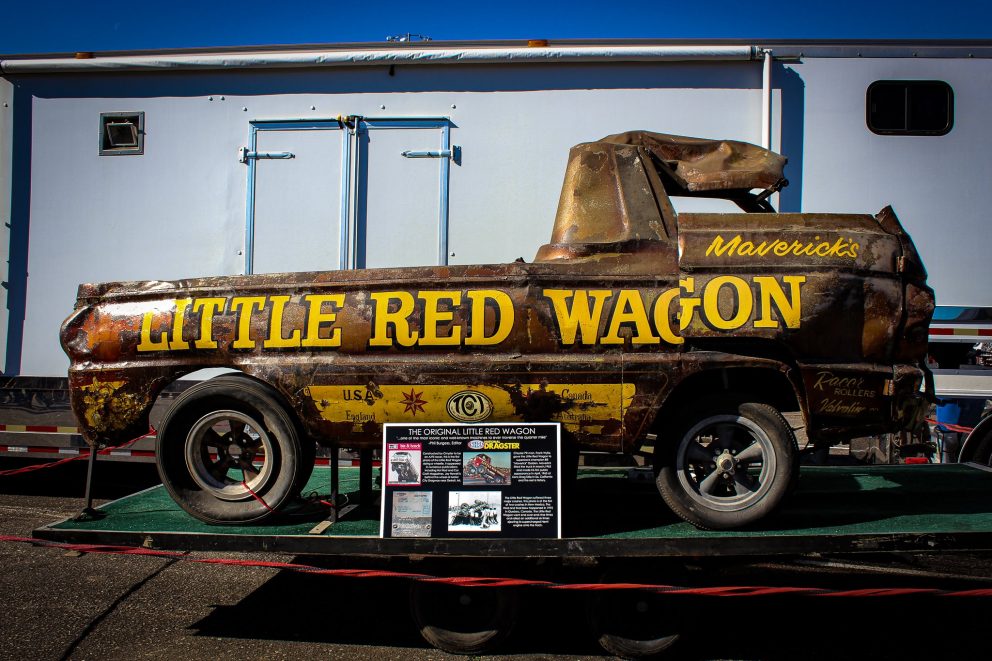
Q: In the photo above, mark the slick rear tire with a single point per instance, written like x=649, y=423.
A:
x=727, y=465
x=229, y=452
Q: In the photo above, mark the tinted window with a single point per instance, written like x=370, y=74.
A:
x=910, y=107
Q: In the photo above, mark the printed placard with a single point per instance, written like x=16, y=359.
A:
x=464, y=480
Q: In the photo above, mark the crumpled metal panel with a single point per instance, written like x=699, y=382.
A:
x=708, y=165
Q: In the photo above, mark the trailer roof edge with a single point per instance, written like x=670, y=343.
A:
x=380, y=56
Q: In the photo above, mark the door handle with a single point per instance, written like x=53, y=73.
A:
x=441, y=153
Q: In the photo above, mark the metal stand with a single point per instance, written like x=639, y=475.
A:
x=365, y=479
x=89, y=513
x=364, y=490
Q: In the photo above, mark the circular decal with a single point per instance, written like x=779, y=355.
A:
x=469, y=406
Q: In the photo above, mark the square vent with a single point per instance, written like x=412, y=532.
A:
x=122, y=133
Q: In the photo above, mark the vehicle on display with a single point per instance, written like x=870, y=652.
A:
x=402, y=465
x=697, y=328
x=479, y=513
x=480, y=467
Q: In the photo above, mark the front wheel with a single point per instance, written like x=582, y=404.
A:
x=228, y=452
x=729, y=466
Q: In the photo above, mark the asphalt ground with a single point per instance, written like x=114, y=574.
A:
x=56, y=604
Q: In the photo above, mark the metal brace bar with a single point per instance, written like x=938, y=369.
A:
x=442, y=153
x=248, y=155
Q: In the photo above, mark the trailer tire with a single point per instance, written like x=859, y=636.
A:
x=463, y=620
x=228, y=452
x=631, y=624
x=706, y=475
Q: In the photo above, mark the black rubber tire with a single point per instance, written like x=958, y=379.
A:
x=308, y=456
x=725, y=502
x=981, y=453
x=632, y=624
x=463, y=620
x=287, y=464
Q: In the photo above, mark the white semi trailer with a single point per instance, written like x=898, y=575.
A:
x=177, y=164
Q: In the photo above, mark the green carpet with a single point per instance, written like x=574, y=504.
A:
x=829, y=501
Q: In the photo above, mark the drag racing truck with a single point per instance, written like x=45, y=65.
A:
x=694, y=330
x=481, y=467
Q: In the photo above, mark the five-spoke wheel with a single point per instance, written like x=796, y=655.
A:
x=729, y=465
x=229, y=452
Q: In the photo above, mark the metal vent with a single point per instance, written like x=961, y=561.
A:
x=122, y=133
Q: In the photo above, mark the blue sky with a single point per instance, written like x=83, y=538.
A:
x=44, y=26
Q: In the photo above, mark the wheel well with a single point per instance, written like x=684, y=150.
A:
x=174, y=388
x=761, y=385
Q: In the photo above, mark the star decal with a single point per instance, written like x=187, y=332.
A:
x=412, y=402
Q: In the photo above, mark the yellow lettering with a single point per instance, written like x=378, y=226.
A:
x=853, y=252
x=398, y=319
x=275, y=340
x=244, y=306
x=177, y=342
x=719, y=247
x=504, y=317
x=687, y=304
x=433, y=316
x=711, y=306
x=208, y=308
x=147, y=343
x=789, y=306
x=629, y=309
x=316, y=317
x=781, y=248
x=578, y=318
x=662, y=310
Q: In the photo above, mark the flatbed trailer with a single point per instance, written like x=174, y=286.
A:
x=874, y=521
x=863, y=509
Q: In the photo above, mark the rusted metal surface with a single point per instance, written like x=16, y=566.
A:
x=625, y=309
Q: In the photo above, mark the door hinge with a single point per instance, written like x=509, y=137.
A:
x=244, y=155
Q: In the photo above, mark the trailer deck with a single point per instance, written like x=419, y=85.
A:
x=921, y=508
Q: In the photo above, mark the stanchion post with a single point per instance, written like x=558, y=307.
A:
x=365, y=478
x=89, y=512
x=335, y=484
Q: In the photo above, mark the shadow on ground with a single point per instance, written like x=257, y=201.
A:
x=364, y=611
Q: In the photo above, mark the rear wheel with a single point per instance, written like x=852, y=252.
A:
x=729, y=466
x=228, y=452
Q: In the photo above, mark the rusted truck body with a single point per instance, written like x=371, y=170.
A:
x=634, y=320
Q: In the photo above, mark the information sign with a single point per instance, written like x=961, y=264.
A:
x=465, y=480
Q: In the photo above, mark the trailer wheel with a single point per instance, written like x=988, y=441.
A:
x=463, y=620
x=229, y=453
x=730, y=465
x=631, y=624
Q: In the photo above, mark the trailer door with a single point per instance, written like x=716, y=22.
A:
x=296, y=189
x=328, y=195
x=402, y=196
